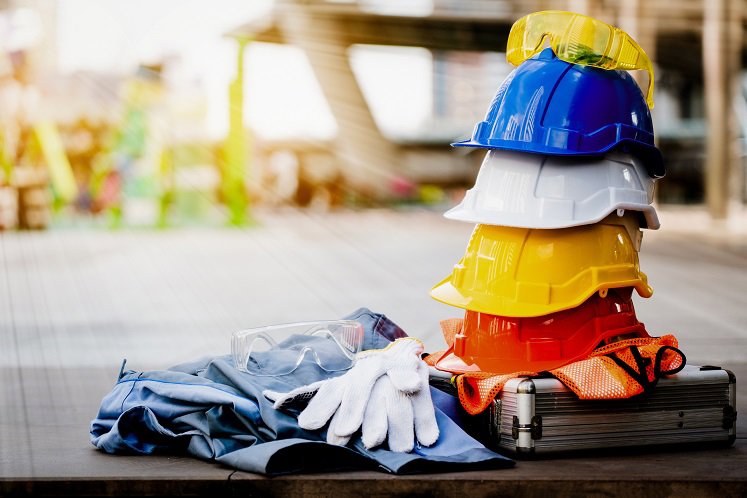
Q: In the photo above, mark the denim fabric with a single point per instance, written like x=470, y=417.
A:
x=384, y=330
x=210, y=410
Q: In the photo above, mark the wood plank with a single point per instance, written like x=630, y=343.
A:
x=64, y=463
x=74, y=303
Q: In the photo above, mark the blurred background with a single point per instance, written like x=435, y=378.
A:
x=176, y=113
x=172, y=171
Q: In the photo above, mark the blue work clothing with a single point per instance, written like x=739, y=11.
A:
x=212, y=411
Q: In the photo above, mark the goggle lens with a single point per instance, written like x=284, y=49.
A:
x=578, y=39
x=280, y=349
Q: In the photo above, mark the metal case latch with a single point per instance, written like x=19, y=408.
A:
x=494, y=421
x=730, y=417
x=534, y=428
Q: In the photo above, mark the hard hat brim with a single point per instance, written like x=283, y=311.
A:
x=445, y=292
x=460, y=213
x=649, y=154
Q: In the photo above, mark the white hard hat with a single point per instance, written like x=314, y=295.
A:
x=516, y=189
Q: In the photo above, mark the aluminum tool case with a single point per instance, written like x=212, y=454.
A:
x=537, y=416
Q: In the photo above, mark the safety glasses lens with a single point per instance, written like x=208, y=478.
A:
x=577, y=39
x=281, y=349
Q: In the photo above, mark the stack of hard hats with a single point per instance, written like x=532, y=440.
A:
x=559, y=202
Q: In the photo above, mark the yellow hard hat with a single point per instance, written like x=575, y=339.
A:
x=520, y=272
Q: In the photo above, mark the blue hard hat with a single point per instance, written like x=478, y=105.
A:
x=548, y=106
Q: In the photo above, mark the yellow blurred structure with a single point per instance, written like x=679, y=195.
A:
x=53, y=151
x=236, y=148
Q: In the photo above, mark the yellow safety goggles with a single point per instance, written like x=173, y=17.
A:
x=578, y=39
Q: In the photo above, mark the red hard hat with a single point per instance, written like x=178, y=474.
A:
x=499, y=344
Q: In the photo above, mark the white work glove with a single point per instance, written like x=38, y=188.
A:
x=399, y=417
x=346, y=396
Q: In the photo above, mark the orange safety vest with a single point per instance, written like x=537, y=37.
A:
x=619, y=370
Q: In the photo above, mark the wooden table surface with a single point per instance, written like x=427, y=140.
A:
x=73, y=303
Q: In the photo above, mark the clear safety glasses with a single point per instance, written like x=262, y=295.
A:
x=280, y=349
x=578, y=39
